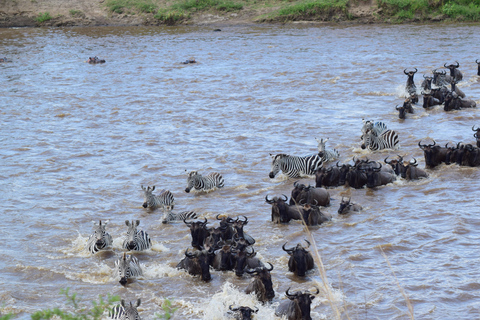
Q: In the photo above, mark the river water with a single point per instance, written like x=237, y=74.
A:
x=78, y=141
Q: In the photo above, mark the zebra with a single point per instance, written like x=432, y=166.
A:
x=137, y=240
x=99, y=239
x=294, y=166
x=206, y=183
x=164, y=199
x=128, y=268
x=387, y=140
x=377, y=127
x=327, y=154
x=123, y=311
x=184, y=215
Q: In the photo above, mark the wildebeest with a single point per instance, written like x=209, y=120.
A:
x=478, y=67
x=405, y=108
x=282, y=212
x=429, y=100
x=441, y=78
x=261, y=284
x=457, y=90
x=243, y=313
x=376, y=177
x=312, y=216
x=238, y=226
x=434, y=154
x=245, y=260
x=301, y=194
x=346, y=206
x=95, y=60
x=412, y=172
x=226, y=226
x=476, y=135
x=300, y=260
x=224, y=259
x=329, y=177
x=455, y=102
x=196, y=263
x=199, y=233
x=455, y=74
x=298, y=308
x=410, y=87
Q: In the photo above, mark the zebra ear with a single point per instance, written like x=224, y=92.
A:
x=123, y=303
x=143, y=188
x=137, y=222
x=153, y=188
x=127, y=222
x=138, y=302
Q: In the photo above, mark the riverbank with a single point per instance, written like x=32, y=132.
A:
x=36, y=13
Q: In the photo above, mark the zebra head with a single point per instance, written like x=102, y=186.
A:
x=192, y=176
x=123, y=265
x=102, y=238
x=125, y=311
x=148, y=196
x=321, y=144
x=276, y=164
x=131, y=241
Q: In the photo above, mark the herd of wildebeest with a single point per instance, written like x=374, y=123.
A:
x=227, y=247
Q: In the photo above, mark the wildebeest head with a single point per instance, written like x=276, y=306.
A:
x=455, y=74
x=300, y=259
x=434, y=155
x=199, y=232
x=297, y=189
x=200, y=263
x=224, y=259
x=226, y=226
x=243, y=313
x=263, y=286
x=302, y=300
x=279, y=209
x=476, y=135
x=241, y=257
x=410, y=82
x=396, y=164
x=344, y=206
x=427, y=83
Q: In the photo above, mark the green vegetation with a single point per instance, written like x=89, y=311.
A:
x=171, y=17
x=79, y=312
x=76, y=13
x=130, y=6
x=317, y=9
x=42, y=17
x=425, y=10
x=167, y=309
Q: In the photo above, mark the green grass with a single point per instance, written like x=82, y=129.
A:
x=171, y=17
x=42, y=17
x=199, y=5
x=322, y=9
x=122, y=6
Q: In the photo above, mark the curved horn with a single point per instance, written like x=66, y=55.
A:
x=415, y=70
x=476, y=61
x=295, y=183
x=271, y=267
x=414, y=163
x=266, y=200
x=287, y=250
x=318, y=291
x=308, y=242
x=286, y=198
x=473, y=128
x=205, y=223
x=405, y=71
x=338, y=165
x=187, y=223
x=289, y=294
x=400, y=158
x=458, y=65
x=385, y=160
x=219, y=214
x=445, y=65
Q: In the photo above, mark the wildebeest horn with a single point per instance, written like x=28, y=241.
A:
x=400, y=158
x=271, y=267
x=286, y=198
x=205, y=223
x=295, y=184
x=405, y=71
x=318, y=291
x=287, y=250
x=267, y=200
x=385, y=160
x=233, y=309
x=308, y=242
x=338, y=165
x=414, y=163
x=187, y=223
x=458, y=65
x=189, y=254
x=289, y=294
x=473, y=128
x=476, y=61
x=445, y=65
x=219, y=215
x=378, y=169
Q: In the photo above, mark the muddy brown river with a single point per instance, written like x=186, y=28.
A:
x=78, y=140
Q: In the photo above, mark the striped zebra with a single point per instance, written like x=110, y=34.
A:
x=377, y=127
x=136, y=240
x=125, y=312
x=327, y=155
x=184, y=215
x=128, y=268
x=164, y=200
x=295, y=167
x=387, y=140
x=206, y=183
x=99, y=239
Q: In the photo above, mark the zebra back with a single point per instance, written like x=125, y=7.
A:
x=165, y=199
x=377, y=127
x=123, y=311
x=387, y=140
x=206, y=183
x=184, y=215
x=137, y=240
x=294, y=166
x=99, y=239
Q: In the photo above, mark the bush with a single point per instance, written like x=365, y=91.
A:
x=42, y=17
